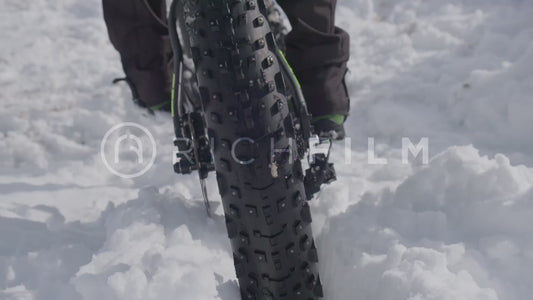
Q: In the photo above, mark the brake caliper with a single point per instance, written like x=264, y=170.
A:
x=320, y=171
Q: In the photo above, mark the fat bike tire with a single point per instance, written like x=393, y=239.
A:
x=248, y=119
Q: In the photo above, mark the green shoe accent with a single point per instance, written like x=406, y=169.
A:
x=338, y=119
x=158, y=106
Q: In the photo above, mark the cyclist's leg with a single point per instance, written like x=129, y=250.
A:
x=318, y=52
x=142, y=41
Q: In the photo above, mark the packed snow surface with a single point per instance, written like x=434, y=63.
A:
x=459, y=73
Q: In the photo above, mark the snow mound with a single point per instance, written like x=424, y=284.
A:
x=152, y=247
x=150, y=252
x=459, y=228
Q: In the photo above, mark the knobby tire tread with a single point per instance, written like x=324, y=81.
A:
x=242, y=89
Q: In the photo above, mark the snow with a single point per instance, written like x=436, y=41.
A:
x=457, y=72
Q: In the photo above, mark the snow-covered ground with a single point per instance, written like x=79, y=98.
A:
x=461, y=227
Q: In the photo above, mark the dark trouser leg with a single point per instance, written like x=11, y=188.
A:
x=318, y=52
x=142, y=42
